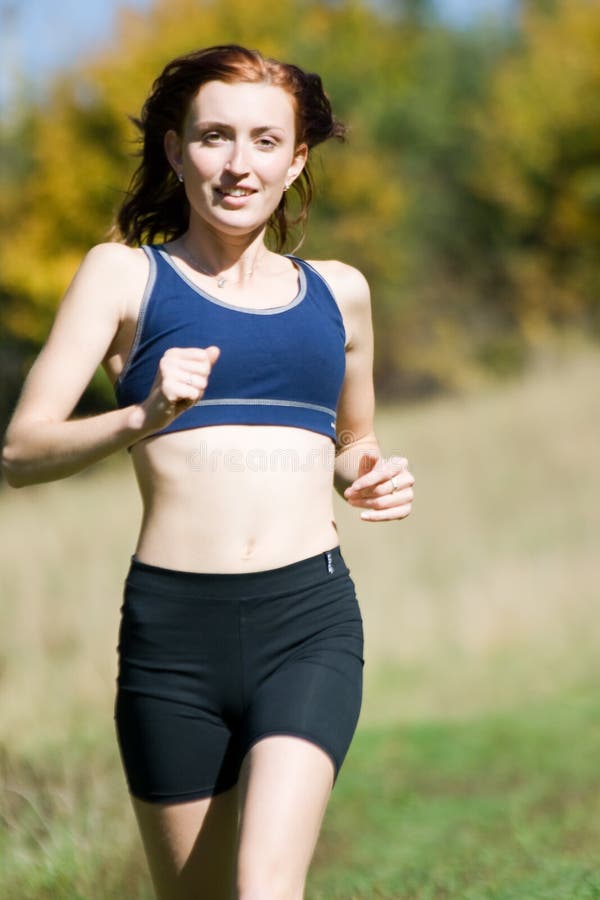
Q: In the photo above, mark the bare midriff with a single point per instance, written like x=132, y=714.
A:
x=235, y=498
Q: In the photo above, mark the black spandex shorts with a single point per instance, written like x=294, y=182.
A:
x=210, y=663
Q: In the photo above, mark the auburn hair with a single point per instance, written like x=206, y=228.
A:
x=155, y=202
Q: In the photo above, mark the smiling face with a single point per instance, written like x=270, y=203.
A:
x=237, y=152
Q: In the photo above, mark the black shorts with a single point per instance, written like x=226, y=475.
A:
x=210, y=663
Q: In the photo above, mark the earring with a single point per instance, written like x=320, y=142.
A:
x=180, y=176
x=286, y=187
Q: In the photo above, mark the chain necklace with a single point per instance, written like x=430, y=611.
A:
x=221, y=280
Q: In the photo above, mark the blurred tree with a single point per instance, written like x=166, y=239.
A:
x=539, y=166
x=448, y=233
x=81, y=142
x=468, y=193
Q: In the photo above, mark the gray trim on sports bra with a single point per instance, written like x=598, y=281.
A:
x=244, y=309
x=242, y=401
x=141, y=315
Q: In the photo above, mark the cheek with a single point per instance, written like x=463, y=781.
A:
x=273, y=169
x=206, y=163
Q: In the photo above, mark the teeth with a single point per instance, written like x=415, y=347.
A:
x=237, y=192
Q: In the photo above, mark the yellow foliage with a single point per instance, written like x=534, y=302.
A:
x=84, y=141
x=402, y=200
x=544, y=96
x=541, y=160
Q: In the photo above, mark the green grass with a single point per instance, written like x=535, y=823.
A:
x=473, y=771
x=497, y=806
x=64, y=832
x=503, y=806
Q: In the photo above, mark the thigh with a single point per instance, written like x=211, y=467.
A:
x=178, y=688
x=285, y=783
x=306, y=668
x=173, y=752
x=191, y=847
x=310, y=699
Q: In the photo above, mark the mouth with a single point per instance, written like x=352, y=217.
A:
x=235, y=192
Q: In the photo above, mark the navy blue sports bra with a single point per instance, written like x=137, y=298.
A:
x=278, y=366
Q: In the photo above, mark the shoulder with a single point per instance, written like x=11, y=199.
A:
x=114, y=260
x=111, y=279
x=115, y=271
x=347, y=283
x=351, y=291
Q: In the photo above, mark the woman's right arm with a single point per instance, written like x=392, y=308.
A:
x=41, y=442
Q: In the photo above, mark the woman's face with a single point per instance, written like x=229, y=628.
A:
x=237, y=152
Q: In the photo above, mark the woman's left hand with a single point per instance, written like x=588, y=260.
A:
x=383, y=488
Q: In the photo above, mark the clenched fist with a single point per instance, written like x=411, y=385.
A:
x=181, y=380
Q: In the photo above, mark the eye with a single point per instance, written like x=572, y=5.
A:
x=212, y=137
x=267, y=143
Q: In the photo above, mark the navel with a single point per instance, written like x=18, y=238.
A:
x=249, y=548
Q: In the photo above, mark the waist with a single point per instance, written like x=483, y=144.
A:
x=235, y=499
x=299, y=574
x=237, y=549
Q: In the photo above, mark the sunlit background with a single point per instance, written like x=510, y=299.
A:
x=40, y=37
x=469, y=194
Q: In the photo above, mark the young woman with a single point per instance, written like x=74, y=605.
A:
x=244, y=386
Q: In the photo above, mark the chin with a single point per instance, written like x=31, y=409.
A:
x=235, y=223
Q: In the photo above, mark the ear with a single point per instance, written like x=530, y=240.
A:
x=298, y=162
x=173, y=150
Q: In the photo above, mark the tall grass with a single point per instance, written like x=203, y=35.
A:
x=489, y=591
x=485, y=598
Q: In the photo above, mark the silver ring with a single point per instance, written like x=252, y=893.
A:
x=395, y=487
x=189, y=380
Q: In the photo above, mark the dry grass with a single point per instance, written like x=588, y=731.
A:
x=486, y=593
x=485, y=597
x=489, y=591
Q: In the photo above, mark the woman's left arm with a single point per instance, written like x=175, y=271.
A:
x=361, y=474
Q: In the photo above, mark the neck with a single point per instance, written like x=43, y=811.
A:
x=231, y=258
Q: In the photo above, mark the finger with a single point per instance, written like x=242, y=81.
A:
x=380, y=479
x=192, y=367
x=190, y=353
x=367, y=462
x=385, y=501
x=177, y=390
x=402, y=480
x=193, y=377
x=386, y=515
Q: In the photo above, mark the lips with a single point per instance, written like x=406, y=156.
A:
x=236, y=192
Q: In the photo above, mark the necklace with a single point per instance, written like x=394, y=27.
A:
x=221, y=280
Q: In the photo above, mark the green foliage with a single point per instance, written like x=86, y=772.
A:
x=539, y=166
x=469, y=192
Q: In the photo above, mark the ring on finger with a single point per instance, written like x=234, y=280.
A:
x=189, y=380
x=395, y=486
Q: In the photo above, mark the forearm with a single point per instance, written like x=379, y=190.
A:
x=347, y=461
x=41, y=451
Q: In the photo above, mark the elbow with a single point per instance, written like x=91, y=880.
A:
x=13, y=468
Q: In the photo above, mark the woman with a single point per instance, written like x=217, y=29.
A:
x=241, y=639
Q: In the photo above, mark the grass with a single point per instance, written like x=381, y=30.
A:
x=501, y=806
x=473, y=771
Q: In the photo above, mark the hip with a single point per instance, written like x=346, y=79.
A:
x=181, y=628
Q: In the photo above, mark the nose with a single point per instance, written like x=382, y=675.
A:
x=236, y=163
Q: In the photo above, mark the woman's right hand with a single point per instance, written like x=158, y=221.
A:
x=181, y=380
